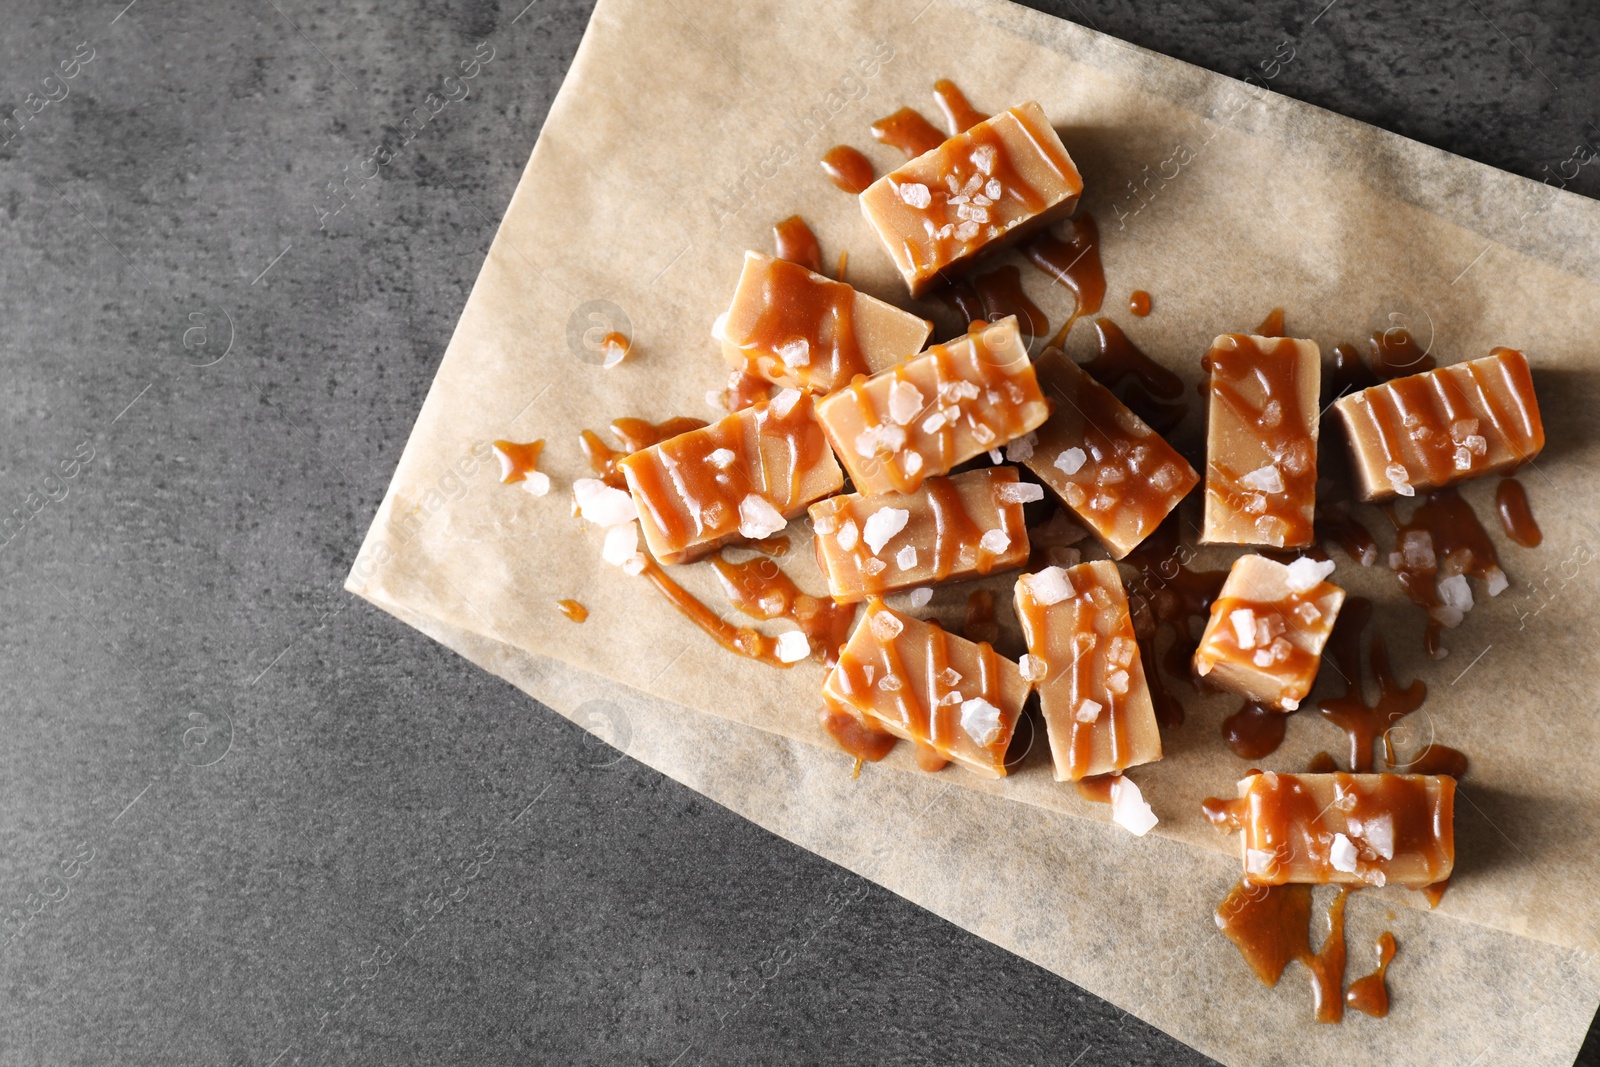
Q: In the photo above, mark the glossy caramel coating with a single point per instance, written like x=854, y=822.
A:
x=1264, y=639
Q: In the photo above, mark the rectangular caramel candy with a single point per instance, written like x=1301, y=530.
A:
x=743, y=476
x=1116, y=474
x=949, y=529
x=794, y=327
x=942, y=692
x=1347, y=829
x=926, y=415
x=1267, y=629
x=1438, y=427
x=1007, y=176
x=1261, y=441
x=1085, y=663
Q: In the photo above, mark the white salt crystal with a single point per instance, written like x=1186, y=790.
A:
x=882, y=525
x=981, y=721
x=916, y=194
x=905, y=401
x=1087, y=711
x=1456, y=593
x=995, y=541
x=1399, y=479
x=885, y=627
x=758, y=518
x=722, y=458
x=1018, y=492
x=621, y=543
x=1264, y=479
x=1049, y=586
x=1243, y=621
x=1034, y=669
x=796, y=353
x=847, y=535
x=784, y=402
x=601, y=504
x=1343, y=854
x=1306, y=573
x=996, y=456
x=1021, y=449
x=906, y=558
x=920, y=596
x=949, y=678
x=1496, y=581
x=933, y=422
x=1071, y=461
x=793, y=646
x=1128, y=809
x=537, y=483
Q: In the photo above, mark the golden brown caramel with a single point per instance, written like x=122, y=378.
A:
x=1346, y=829
x=1516, y=516
x=848, y=169
x=634, y=435
x=860, y=737
x=759, y=588
x=1436, y=550
x=1261, y=441
x=1266, y=632
x=1003, y=178
x=1436, y=428
x=517, y=461
x=922, y=417
x=1368, y=993
x=1072, y=261
x=740, y=477
x=944, y=693
x=959, y=115
x=1364, y=724
x=573, y=610
x=1116, y=474
x=793, y=242
x=1087, y=668
x=793, y=327
x=908, y=131
x=1139, y=303
x=949, y=529
x=1271, y=925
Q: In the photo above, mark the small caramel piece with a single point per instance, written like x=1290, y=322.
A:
x=1267, y=628
x=742, y=477
x=794, y=327
x=1436, y=428
x=1003, y=178
x=1118, y=476
x=921, y=684
x=1347, y=829
x=950, y=528
x=1085, y=662
x=1261, y=441
x=923, y=417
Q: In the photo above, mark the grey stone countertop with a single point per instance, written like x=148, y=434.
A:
x=177, y=598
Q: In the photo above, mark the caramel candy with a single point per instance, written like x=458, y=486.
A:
x=1267, y=628
x=1348, y=829
x=744, y=476
x=1005, y=177
x=923, y=417
x=1085, y=662
x=1435, y=428
x=1118, y=476
x=919, y=683
x=950, y=528
x=1261, y=442
x=794, y=327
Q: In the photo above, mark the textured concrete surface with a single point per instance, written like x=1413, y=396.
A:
x=228, y=792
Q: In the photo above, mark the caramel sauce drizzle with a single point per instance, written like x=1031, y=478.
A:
x=1346, y=373
x=1072, y=261
x=1297, y=662
x=680, y=471
x=759, y=588
x=743, y=641
x=1271, y=926
x=634, y=435
x=959, y=115
x=1516, y=516
x=908, y=131
x=1097, y=787
x=1281, y=426
x=935, y=725
x=802, y=307
x=1255, y=730
x=1435, y=759
x=745, y=390
x=849, y=170
x=795, y=243
x=573, y=610
x=1363, y=723
x=1169, y=598
x=1272, y=325
x=1148, y=389
x=1139, y=303
x=518, y=461
x=1442, y=538
x=1000, y=292
x=1368, y=993
x=859, y=736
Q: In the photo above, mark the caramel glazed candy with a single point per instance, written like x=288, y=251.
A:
x=744, y=476
x=1433, y=429
x=919, y=683
x=1084, y=661
x=1001, y=179
x=924, y=416
x=1348, y=829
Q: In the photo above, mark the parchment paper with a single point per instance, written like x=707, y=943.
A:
x=1126, y=919
x=679, y=137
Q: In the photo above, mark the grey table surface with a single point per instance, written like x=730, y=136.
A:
x=227, y=790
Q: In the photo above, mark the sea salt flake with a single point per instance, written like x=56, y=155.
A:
x=601, y=504
x=873, y=567
x=890, y=683
x=1306, y=573
x=758, y=518
x=1021, y=450
x=1018, y=492
x=1243, y=621
x=1071, y=461
x=994, y=541
x=1087, y=710
x=981, y=721
x=1342, y=854
x=796, y=353
x=885, y=627
x=793, y=646
x=949, y=677
x=1117, y=682
x=1456, y=593
x=916, y=194
x=537, y=483
x=621, y=543
x=920, y=596
x=1266, y=479
x=882, y=525
x=983, y=160
x=847, y=535
x=1128, y=807
x=1034, y=669
x=1495, y=581
x=1399, y=479
x=784, y=402
x=933, y=422
x=910, y=462
x=722, y=458
x=906, y=558
x=1049, y=586
x=905, y=401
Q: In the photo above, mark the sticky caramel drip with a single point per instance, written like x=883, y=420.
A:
x=1516, y=516
x=740, y=640
x=1148, y=389
x=1458, y=545
x=1225, y=640
x=1170, y=598
x=1072, y=261
x=860, y=737
x=1435, y=759
x=1365, y=723
x=959, y=115
x=1255, y=730
x=634, y=435
x=908, y=131
x=1139, y=303
x=794, y=242
x=848, y=169
x=759, y=588
x=573, y=610
x=1272, y=325
x=953, y=527
x=518, y=460
x=1368, y=993
x=1285, y=435
x=1097, y=787
x=1271, y=926
x=802, y=307
x=1000, y=292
